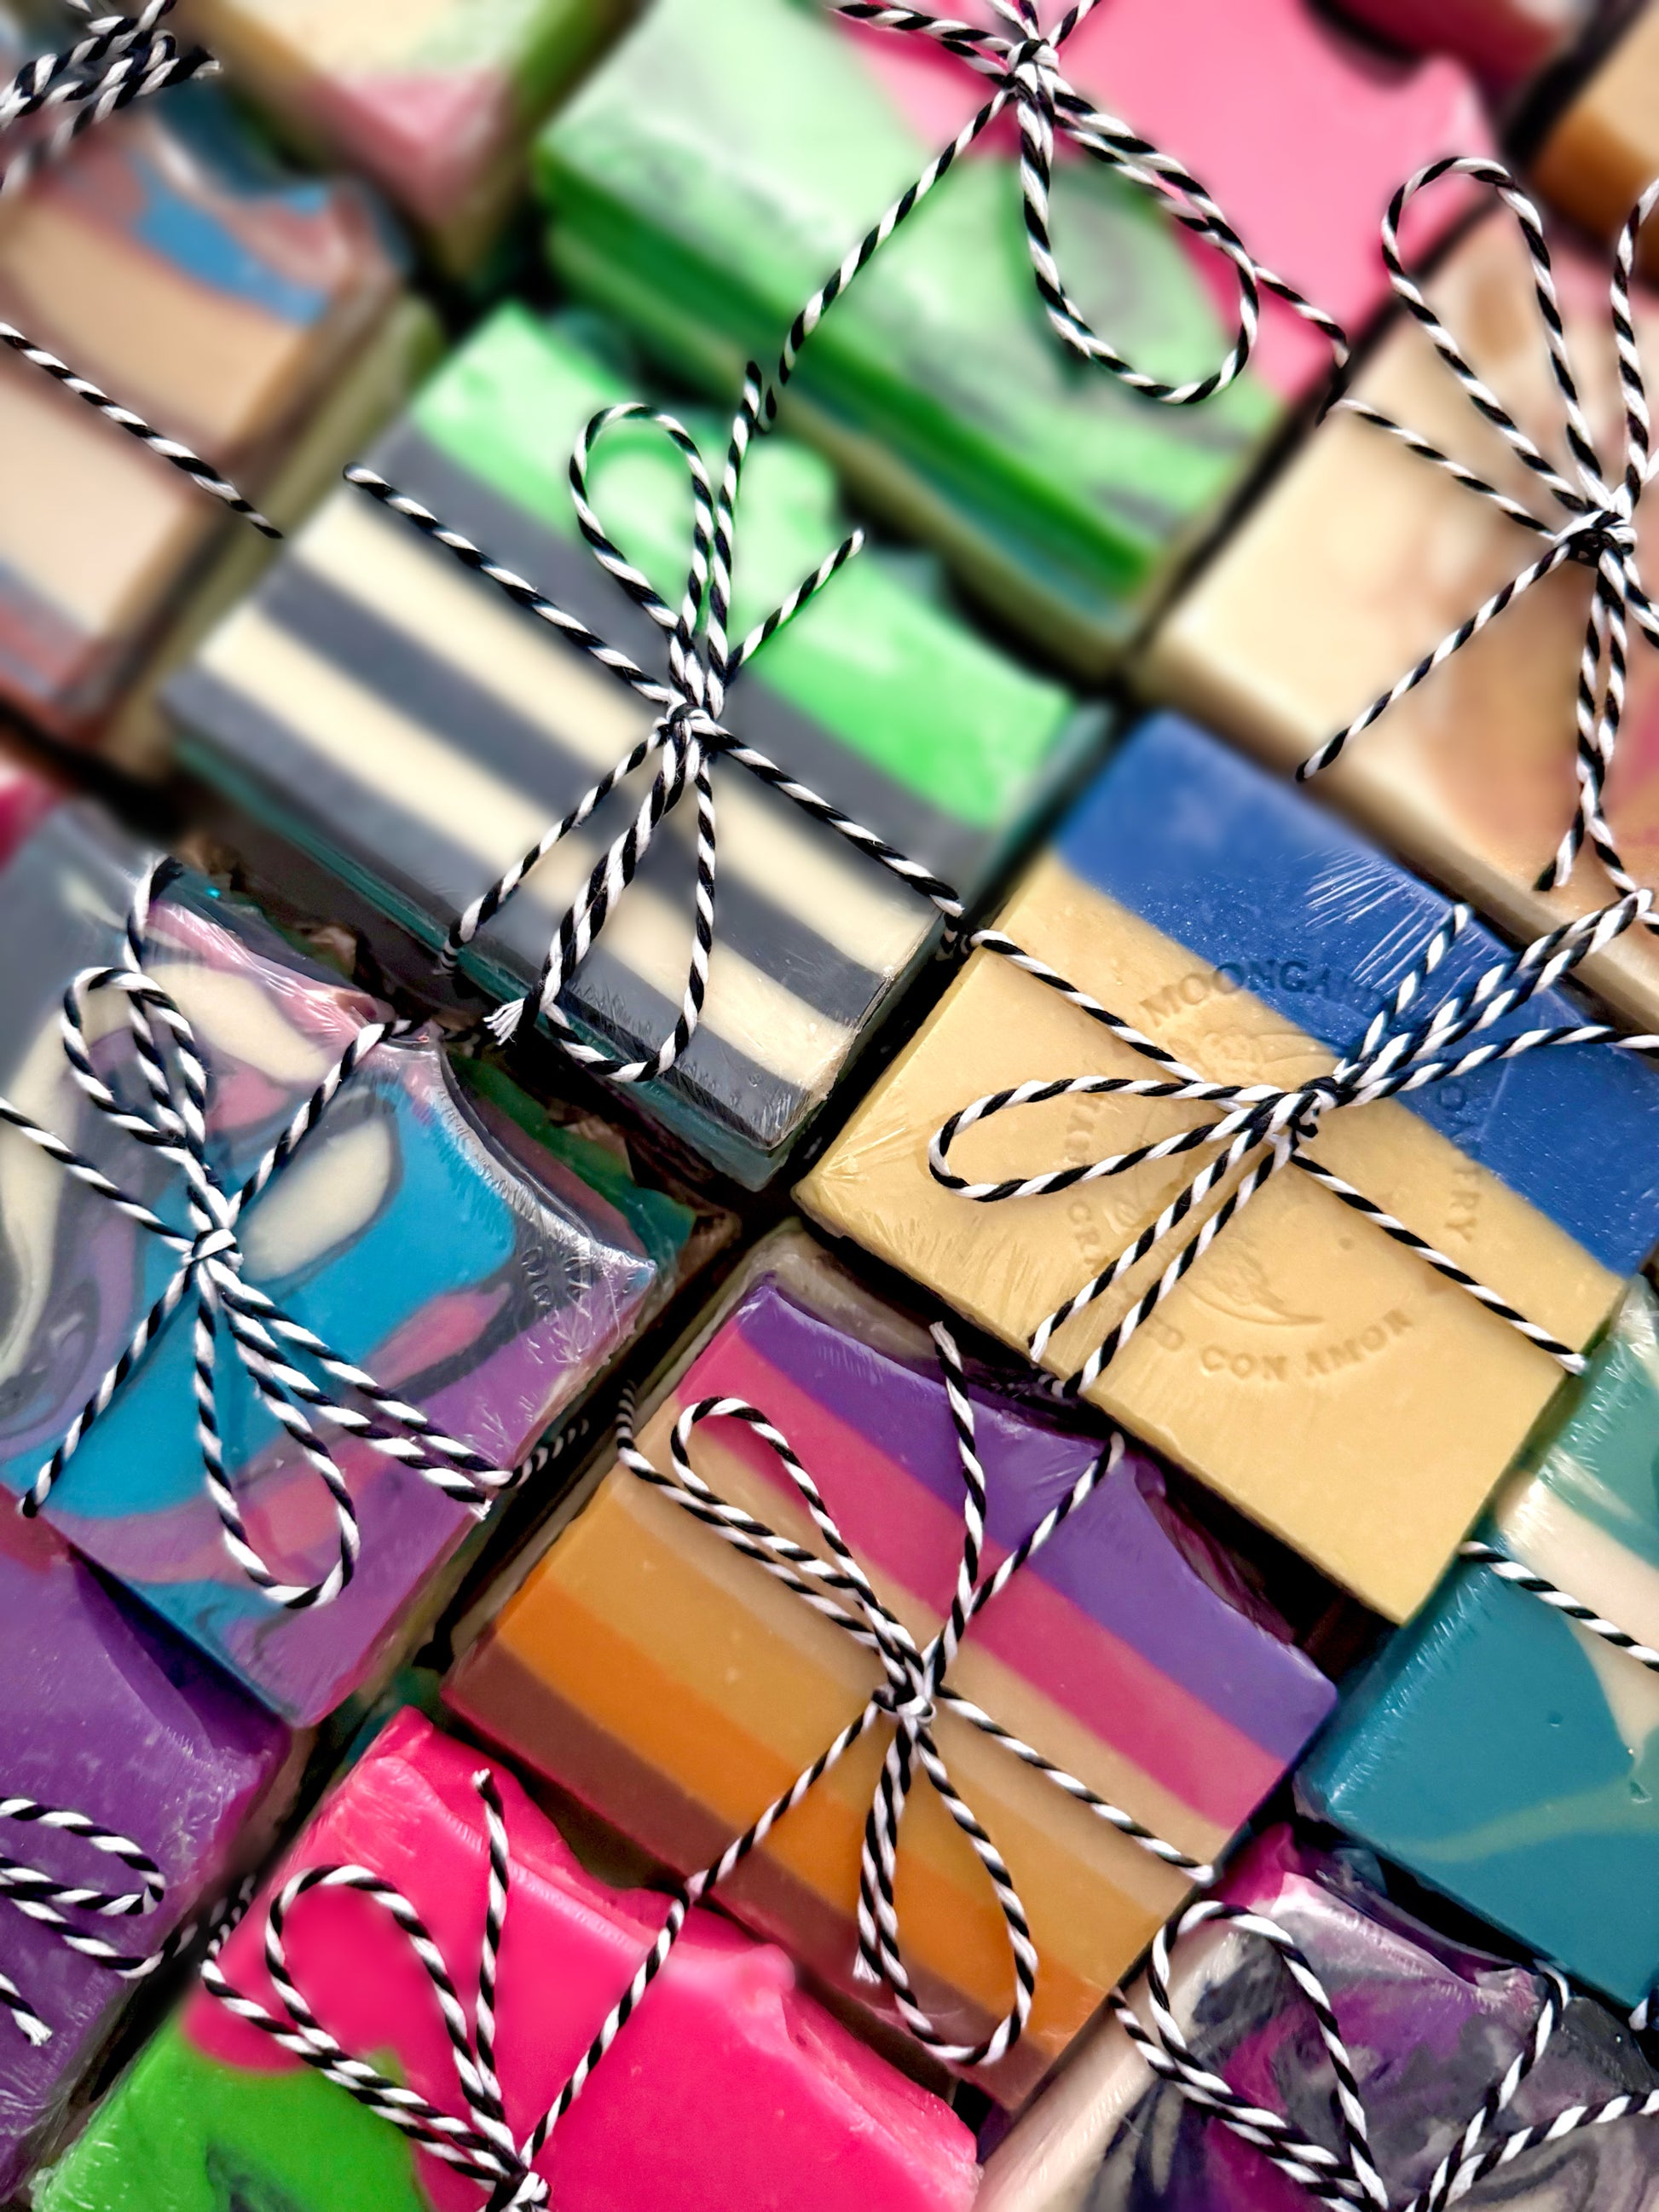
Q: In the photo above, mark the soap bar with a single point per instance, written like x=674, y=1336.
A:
x=720, y=163
x=675, y=1688
x=1319, y=1375
x=727, y=2087
x=1505, y=42
x=1430, y=2026
x=435, y=101
x=1499, y=1752
x=107, y=1714
x=1603, y=151
x=1362, y=557
x=475, y=1273
x=385, y=710
x=173, y=262
x=1319, y=104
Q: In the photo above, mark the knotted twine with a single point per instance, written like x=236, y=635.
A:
x=172, y=1121
x=1597, y=505
x=1410, y=1043
x=912, y=1693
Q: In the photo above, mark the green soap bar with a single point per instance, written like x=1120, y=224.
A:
x=960, y=724
x=180, y=2114
x=724, y=159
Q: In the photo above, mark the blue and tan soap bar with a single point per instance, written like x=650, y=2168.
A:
x=395, y=719
x=1315, y=1372
x=1501, y=1753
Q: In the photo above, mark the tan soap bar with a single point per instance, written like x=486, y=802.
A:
x=1361, y=558
x=1318, y=1374
x=1604, y=151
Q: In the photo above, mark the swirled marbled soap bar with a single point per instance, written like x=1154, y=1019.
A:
x=675, y=1688
x=1431, y=2027
x=1505, y=1755
x=417, y=1233
x=728, y=2088
x=107, y=1714
x=1320, y=1375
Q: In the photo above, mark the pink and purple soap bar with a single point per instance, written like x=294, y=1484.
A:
x=107, y=1714
x=729, y=2089
x=415, y=1231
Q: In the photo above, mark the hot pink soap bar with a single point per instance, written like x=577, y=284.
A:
x=728, y=2091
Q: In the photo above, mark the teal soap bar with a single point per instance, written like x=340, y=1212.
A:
x=1499, y=1753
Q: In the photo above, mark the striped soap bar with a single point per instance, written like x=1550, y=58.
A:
x=1506, y=1755
x=1318, y=1374
x=675, y=1688
x=390, y=715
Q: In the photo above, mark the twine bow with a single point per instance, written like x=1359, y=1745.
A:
x=1023, y=62
x=1595, y=525
x=1349, y=2176
x=683, y=740
x=1409, y=1045
x=172, y=1121
x=46, y=1901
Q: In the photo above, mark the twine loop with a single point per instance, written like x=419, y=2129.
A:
x=1595, y=502
x=326, y=1393
x=46, y=1901
x=1261, y=1128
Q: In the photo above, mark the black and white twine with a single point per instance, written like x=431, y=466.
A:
x=1410, y=1043
x=912, y=1692
x=307, y=1400
x=1349, y=2176
x=1597, y=504
x=48, y=1902
x=1023, y=63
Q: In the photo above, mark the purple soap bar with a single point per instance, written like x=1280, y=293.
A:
x=107, y=1714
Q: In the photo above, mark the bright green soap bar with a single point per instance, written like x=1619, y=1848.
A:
x=722, y=162
x=224, y=2141
x=960, y=724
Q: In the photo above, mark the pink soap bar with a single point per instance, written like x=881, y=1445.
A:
x=728, y=2090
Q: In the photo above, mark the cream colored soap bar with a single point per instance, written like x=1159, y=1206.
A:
x=1317, y=1374
x=1362, y=557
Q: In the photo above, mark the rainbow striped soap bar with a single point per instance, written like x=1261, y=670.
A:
x=675, y=1687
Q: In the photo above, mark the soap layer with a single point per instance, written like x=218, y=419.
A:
x=727, y=2087
x=1500, y=1753
x=1321, y=1377
x=676, y=1689
x=483, y=1278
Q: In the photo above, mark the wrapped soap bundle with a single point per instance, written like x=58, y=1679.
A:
x=730, y=2088
x=1352, y=1349
x=391, y=716
x=254, y=315
x=1431, y=2029
x=674, y=1688
x=437, y=104
x=1497, y=1747
x=132, y=1774
x=720, y=163
x=298, y=1297
x=1362, y=557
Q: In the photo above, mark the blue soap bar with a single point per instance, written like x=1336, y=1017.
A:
x=1503, y=1755
x=1284, y=901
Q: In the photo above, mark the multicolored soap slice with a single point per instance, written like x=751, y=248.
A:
x=388, y=713
x=1503, y=1754
x=241, y=308
x=416, y=1231
x=1360, y=560
x=436, y=99
x=718, y=165
x=107, y=1714
x=675, y=1688
x=1319, y=104
x=1431, y=2027
x=727, y=2087
x=1318, y=1374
